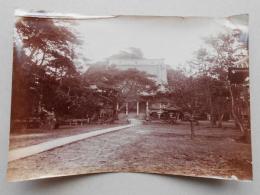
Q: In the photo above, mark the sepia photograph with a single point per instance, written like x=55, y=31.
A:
x=149, y=94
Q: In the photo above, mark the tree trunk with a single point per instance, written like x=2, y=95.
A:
x=220, y=119
x=43, y=58
x=115, y=112
x=192, y=125
x=234, y=113
x=32, y=53
x=212, y=116
x=213, y=120
x=191, y=129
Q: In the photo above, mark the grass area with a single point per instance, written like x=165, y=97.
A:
x=35, y=136
x=169, y=149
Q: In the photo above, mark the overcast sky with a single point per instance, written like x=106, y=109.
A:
x=172, y=38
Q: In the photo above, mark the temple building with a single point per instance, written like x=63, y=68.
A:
x=154, y=67
x=143, y=105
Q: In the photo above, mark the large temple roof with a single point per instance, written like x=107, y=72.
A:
x=154, y=67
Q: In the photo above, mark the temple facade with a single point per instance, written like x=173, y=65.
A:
x=154, y=67
x=142, y=106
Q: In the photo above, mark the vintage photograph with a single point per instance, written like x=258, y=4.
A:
x=154, y=94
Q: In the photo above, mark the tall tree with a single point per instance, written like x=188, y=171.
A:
x=213, y=62
x=48, y=47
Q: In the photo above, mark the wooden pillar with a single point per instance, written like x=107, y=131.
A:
x=159, y=114
x=147, y=110
x=126, y=108
x=178, y=116
x=137, y=108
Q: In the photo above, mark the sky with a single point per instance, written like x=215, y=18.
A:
x=175, y=39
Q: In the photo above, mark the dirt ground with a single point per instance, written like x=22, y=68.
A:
x=154, y=148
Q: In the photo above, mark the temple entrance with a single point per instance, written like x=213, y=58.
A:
x=133, y=109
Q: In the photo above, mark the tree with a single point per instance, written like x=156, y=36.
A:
x=44, y=54
x=213, y=63
x=115, y=86
x=21, y=92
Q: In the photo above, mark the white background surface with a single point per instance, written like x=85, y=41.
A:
x=129, y=183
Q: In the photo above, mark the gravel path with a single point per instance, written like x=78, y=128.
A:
x=157, y=148
x=33, y=137
x=58, y=142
